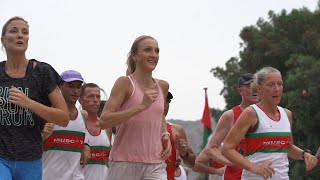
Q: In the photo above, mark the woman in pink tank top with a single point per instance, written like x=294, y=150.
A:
x=135, y=107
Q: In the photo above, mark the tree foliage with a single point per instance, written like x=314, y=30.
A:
x=229, y=77
x=289, y=42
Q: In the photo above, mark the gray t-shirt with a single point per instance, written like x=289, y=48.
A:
x=20, y=128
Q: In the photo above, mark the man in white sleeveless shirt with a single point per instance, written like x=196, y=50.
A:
x=65, y=150
x=97, y=138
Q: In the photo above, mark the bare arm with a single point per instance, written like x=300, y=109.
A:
x=202, y=164
x=295, y=152
x=57, y=114
x=47, y=131
x=223, y=127
x=111, y=116
x=109, y=134
x=86, y=150
x=165, y=87
x=165, y=139
x=318, y=156
x=183, y=146
x=85, y=155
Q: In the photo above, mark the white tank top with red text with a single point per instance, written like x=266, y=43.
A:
x=62, y=151
x=99, y=145
x=269, y=143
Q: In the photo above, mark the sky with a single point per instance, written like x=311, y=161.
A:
x=94, y=38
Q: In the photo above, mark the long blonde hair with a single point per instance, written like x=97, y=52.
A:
x=134, y=49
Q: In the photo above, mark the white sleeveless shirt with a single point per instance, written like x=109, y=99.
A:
x=269, y=143
x=99, y=146
x=62, y=151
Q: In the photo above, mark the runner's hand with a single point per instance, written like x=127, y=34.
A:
x=17, y=97
x=166, y=147
x=310, y=161
x=265, y=170
x=47, y=130
x=182, y=147
x=85, y=155
x=220, y=171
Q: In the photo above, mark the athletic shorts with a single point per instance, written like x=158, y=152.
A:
x=136, y=171
x=20, y=170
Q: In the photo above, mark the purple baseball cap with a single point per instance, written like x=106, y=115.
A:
x=71, y=75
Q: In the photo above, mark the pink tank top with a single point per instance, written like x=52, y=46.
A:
x=138, y=139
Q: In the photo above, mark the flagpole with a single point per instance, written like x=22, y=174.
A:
x=204, y=127
x=205, y=96
x=205, y=91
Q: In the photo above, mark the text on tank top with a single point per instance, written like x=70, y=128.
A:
x=270, y=136
x=70, y=138
x=99, y=147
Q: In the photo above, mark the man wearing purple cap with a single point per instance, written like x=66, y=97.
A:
x=212, y=151
x=65, y=149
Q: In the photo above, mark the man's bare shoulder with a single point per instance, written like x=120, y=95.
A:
x=177, y=128
x=227, y=116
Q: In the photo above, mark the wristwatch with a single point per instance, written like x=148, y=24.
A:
x=305, y=151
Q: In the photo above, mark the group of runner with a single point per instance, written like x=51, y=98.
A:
x=44, y=135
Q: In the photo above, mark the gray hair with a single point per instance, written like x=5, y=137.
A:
x=260, y=75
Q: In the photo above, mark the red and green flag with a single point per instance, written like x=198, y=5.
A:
x=206, y=121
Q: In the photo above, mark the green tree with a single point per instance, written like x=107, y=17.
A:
x=303, y=75
x=229, y=77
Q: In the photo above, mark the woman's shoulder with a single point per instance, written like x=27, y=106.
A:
x=249, y=110
x=161, y=80
x=41, y=65
x=163, y=83
x=285, y=109
x=123, y=80
x=249, y=114
x=122, y=83
x=288, y=112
